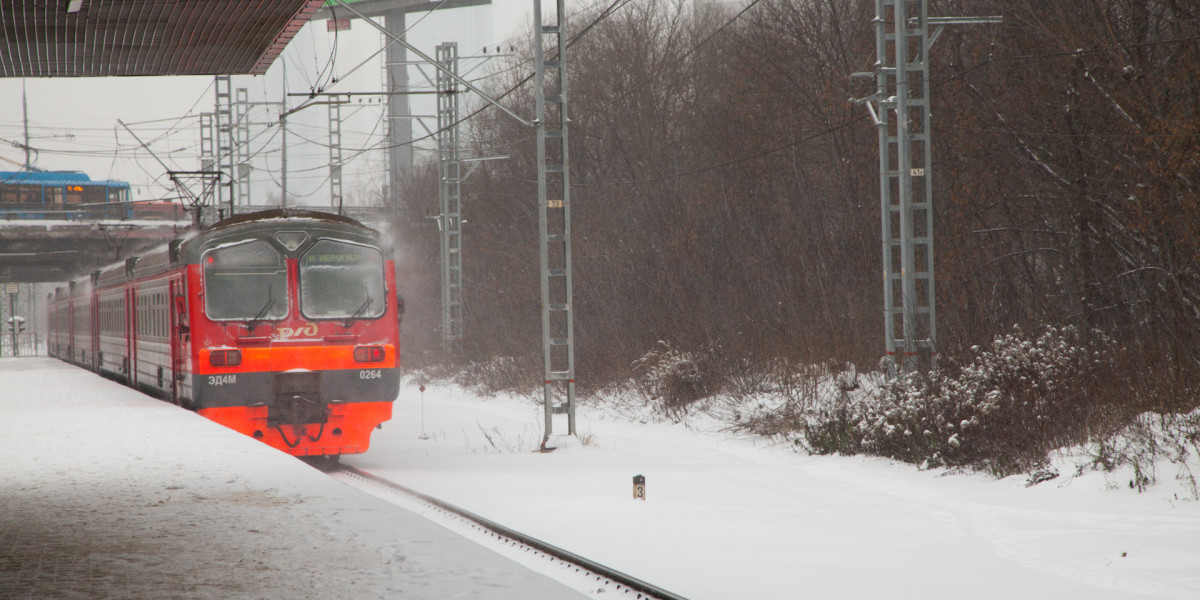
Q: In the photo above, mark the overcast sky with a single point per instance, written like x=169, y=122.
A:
x=73, y=121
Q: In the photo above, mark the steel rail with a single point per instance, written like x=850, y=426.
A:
x=646, y=591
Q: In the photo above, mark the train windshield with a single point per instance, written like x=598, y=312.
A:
x=341, y=280
x=246, y=281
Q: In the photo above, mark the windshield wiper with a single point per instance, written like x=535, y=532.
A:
x=257, y=320
x=360, y=310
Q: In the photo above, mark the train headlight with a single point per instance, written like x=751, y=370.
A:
x=225, y=358
x=369, y=353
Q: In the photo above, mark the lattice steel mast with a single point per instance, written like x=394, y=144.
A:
x=449, y=185
x=901, y=112
x=554, y=216
x=335, y=155
x=224, y=130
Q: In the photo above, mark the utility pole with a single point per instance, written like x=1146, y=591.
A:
x=241, y=146
x=449, y=195
x=225, y=143
x=335, y=155
x=224, y=130
x=901, y=113
x=554, y=218
x=208, y=162
x=283, y=113
x=25, y=111
x=33, y=321
x=13, y=289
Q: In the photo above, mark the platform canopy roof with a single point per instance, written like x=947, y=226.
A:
x=95, y=38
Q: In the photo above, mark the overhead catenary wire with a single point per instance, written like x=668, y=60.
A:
x=333, y=80
x=617, y=5
x=175, y=122
x=612, y=8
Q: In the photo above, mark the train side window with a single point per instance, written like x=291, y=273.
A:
x=162, y=314
x=74, y=194
x=245, y=281
x=92, y=194
x=341, y=280
x=28, y=194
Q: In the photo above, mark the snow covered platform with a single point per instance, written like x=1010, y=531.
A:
x=105, y=492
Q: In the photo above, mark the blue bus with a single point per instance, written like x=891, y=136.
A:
x=62, y=195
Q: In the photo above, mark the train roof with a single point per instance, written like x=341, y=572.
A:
x=283, y=213
x=56, y=178
x=277, y=220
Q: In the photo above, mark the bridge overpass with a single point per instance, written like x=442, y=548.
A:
x=34, y=251
x=50, y=251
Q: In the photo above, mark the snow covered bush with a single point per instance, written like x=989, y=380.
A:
x=501, y=373
x=675, y=378
x=1148, y=444
x=785, y=397
x=1003, y=411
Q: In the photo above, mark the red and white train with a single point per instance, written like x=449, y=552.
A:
x=283, y=325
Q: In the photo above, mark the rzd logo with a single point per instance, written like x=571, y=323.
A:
x=308, y=330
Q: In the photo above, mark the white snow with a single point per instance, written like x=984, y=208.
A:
x=108, y=493
x=725, y=516
x=736, y=517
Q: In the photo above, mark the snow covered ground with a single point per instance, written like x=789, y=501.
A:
x=108, y=493
x=734, y=517
x=99, y=507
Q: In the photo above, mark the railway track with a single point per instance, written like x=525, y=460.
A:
x=599, y=578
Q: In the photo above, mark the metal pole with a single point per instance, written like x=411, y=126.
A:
x=33, y=320
x=554, y=218
x=885, y=188
x=904, y=167
x=241, y=146
x=569, y=283
x=283, y=142
x=903, y=98
x=400, y=130
x=335, y=156
x=12, y=321
x=540, y=122
x=449, y=194
x=224, y=122
x=25, y=110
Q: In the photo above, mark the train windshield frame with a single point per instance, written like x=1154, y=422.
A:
x=245, y=281
x=340, y=279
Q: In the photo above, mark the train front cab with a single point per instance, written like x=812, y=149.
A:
x=295, y=337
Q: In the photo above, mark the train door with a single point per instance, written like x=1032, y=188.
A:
x=70, y=328
x=95, y=324
x=51, y=325
x=180, y=337
x=131, y=321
